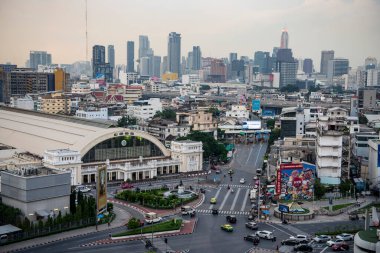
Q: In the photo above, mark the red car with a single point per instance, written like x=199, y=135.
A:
x=126, y=185
x=340, y=247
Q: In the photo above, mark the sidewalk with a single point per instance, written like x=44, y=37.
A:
x=121, y=218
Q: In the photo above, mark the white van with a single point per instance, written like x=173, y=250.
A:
x=253, y=195
x=152, y=218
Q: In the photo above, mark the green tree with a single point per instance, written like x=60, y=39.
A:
x=274, y=135
x=289, y=88
x=72, y=202
x=205, y=87
x=133, y=223
x=319, y=189
x=26, y=224
x=126, y=121
x=345, y=186
x=168, y=114
x=271, y=123
x=214, y=110
x=362, y=119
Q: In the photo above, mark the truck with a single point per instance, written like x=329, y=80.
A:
x=253, y=195
x=152, y=218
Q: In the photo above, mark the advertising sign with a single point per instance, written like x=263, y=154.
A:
x=378, y=155
x=295, y=181
x=101, y=188
x=283, y=208
x=256, y=105
x=252, y=125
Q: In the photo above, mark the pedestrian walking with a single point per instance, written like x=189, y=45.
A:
x=109, y=223
x=110, y=235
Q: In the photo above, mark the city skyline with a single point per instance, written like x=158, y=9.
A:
x=355, y=38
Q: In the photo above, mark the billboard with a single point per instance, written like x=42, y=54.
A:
x=295, y=181
x=101, y=188
x=256, y=105
x=378, y=155
x=252, y=125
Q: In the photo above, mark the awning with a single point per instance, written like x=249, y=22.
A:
x=42, y=213
x=330, y=180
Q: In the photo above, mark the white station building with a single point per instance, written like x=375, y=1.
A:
x=80, y=146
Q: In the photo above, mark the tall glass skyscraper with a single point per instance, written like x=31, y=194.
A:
x=196, y=58
x=130, y=56
x=326, y=56
x=144, y=46
x=39, y=58
x=111, y=55
x=284, y=39
x=174, y=53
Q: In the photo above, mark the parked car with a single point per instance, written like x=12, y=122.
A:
x=265, y=234
x=345, y=237
x=332, y=242
x=82, y=188
x=300, y=238
x=126, y=185
x=340, y=247
x=215, y=211
x=227, y=227
x=252, y=225
x=213, y=201
x=231, y=218
x=322, y=238
x=252, y=238
x=291, y=242
x=303, y=248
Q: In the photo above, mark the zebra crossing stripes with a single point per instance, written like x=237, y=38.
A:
x=222, y=212
x=236, y=186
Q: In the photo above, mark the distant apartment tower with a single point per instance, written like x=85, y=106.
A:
x=174, y=53
x=164, y=66
x=145, y=65
x=196, y=60
x=286, y=65
x=130, y=56
x=144, y=45
x=263, y=60
x=233, y=57
x=337, y=67
x=326, y=56
x=156, y=68
x=39, y=58
x=370, y=63
x=111, y=55
x=99, y=66
x=284, y=38
x=308, y=66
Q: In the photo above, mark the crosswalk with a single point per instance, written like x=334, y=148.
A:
x=223, y=212
x=237, y=186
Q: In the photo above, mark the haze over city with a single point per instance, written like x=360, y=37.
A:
x=219, y=27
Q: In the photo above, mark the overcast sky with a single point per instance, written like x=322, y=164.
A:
x=350, y=27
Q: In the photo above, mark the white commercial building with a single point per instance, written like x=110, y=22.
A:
x=92, y=113
x=81, y=88
x=374, y=163
x=144, y=110
x=373, y=77
x=26, y=103
x=189, y=153
x=190, y=79
x=238, y=111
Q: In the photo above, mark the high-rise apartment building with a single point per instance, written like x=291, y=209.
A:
x=144, y=45
x=174, y=53
x=373, y=77
x=130, y=56
x=156, y=71
x=337, y=67
x=370, y=63
x=308, y=66
x=99, y=67
x=263, y=60
x=284, y=39
x=145, y=66
x=111, y=55
x=326, y=56
x=233, y=57
x=286, y=65
x=196, y=60
x=164, y=67
x=39, y=58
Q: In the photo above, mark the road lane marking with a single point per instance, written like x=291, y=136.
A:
x=245, y=200
x=225, y=199
x=249, y=155
x=216, y=196
x=236, y=197
x=258, y=154
x=279, y=229
x=325, y=249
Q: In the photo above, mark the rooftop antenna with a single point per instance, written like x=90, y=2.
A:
x=86, y=34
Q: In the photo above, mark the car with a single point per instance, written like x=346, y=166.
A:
x=291, y=242
x=82, y=188
x=255, y=178
x=252, y=225
x=340, y=246
x=231, y=218
x=202, y=190
x=187, y=210
x=231, y=172
x=218, y=171
x=255, y=186
x=300, y=238
x=252, y=238
x=345, y=237
x=215, y=211
x=265, y=234
x=353, y=216
x=332, y=242
x=251, y=216
x=227, y=227
x=322, y=238
x=126, y=185
x=303, y=248
x=242, y=181
x=213, y=200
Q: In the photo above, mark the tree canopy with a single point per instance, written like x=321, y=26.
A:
x=126, y=121
x=166, y=114
x=289, y=88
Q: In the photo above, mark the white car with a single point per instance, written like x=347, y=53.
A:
x=300, y=238
x=345, y=237
x=332, y=242
x=322, y=238
x=242, y=181
x=264, y=234
x=255, y=187
x=82, y=188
